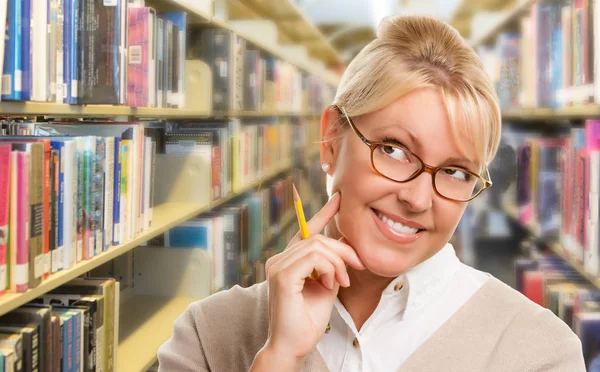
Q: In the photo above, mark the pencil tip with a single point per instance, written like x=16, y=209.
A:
x=296, y=196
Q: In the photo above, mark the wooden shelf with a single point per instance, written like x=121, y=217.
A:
x=49, y=108
x=263, y=114
x=145, y=323
x=521, y=8
x=555, y=247
x=199, y=16
x=165, y=216
x=564, y=113
x=292, y=23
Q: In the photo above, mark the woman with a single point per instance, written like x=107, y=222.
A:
x=405, y=147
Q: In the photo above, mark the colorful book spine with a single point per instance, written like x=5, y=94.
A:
x=26, y=32
x=19, y=221
x=138, y=89
x=116, y=237
x=98, y=196
x=88, y=192
x=591, y=259
x=81, y=184
x=12, y=82
x=109, y=189
x=57, y=254
x=5, y=174
x=71, y=42
x=71, y=237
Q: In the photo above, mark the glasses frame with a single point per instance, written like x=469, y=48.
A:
x=424, y=166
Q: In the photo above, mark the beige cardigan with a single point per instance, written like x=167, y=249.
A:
x=498, y=329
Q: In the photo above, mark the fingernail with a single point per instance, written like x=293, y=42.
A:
x=347, y=280
x=337, y=193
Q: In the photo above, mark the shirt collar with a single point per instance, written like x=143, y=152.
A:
x=425, y=281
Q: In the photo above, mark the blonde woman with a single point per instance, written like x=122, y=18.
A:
x=406, y=145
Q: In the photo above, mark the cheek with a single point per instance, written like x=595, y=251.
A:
x=446, y=216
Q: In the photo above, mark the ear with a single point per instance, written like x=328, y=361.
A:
x=330, y=131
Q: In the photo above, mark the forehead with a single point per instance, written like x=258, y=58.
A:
x=422, y=117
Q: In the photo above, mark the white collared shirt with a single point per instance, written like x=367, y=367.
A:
x=412, y=307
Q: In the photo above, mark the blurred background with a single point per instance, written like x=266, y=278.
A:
x=147, y=159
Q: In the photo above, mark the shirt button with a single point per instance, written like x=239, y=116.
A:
x=398, y=286
x=355, y=342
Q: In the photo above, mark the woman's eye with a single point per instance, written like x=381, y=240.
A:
x=457, y=174
x=394, y=152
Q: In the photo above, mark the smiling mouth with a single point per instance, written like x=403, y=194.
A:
x=397, y=226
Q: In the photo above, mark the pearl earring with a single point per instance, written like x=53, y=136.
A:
x=325, y=167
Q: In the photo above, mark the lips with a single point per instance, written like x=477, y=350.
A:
x=398, y=230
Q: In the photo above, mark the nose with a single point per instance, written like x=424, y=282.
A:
x=417, y=194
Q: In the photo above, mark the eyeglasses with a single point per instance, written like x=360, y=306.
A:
x=399, y=164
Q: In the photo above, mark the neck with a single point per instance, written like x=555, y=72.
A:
x=363, y=295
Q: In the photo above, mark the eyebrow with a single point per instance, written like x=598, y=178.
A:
x=416, y=143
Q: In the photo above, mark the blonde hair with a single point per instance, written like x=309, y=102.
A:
x=412, y=52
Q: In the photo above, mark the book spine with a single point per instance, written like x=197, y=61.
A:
x=116, y=237
x=125, y=207
x=147, y=164
x=109, y=191
x=50, y=46
x=26, y=33
x=56, y=212
x=4, y=213
x=12, y=75
x=138, y=63
x=39, y=50
x=88, y=192
x=74, y=44
x=70, y=205
x=36, y=217
x=60, y=51
x=98, y=196
x=81, y=183
x=22, y=268
x=46, y=196
x=57, y=257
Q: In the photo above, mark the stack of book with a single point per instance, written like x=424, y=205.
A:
x=74, y=327
x=93, y=52
x=234, y=236
x=550, y=61
x=244, y=78
x=550, y=282
x=81, y=189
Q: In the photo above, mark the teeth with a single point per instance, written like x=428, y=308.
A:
x=397, y=226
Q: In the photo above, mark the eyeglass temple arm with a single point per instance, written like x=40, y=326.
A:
x=354, y=128
x=489, y=179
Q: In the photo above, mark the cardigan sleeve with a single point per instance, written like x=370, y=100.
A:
x=559, y=349
x=183, y=352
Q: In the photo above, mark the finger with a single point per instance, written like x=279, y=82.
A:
x=341, y=273
x=296, y=273
x=322, y=218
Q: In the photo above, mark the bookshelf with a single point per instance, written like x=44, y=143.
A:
x=165, y=216
x=511, y=16
x=549, y=114
x=146, y=319
x=64, y=110
x=146, y=323
x=553, y=246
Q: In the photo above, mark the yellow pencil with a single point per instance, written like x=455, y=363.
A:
x=302, y=223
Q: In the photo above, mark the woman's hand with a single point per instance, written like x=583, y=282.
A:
x=299, y=307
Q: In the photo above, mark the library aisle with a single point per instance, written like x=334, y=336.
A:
x=149, y=148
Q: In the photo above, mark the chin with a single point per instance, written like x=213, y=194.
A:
x=383, y=249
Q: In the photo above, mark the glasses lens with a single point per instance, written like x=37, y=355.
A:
x=395, y=162
x=455, y=183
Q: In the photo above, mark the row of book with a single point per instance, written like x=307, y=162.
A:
x=87, y=52
x=123, y=53
x=550, y=282
x=69, y=193
x=244, y=78
x=238, y=152
x=556, y=187
x=74, y=327
x=235, y=236
x=550, y=61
